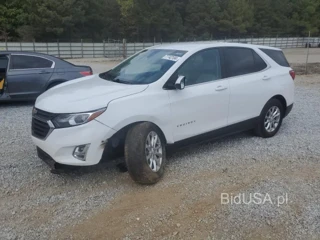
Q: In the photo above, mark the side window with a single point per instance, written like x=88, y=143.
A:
x=3, y=62
x=259, y=63
x=202, y=67
x=29, y=62
x=276, y=56
x=240, y=61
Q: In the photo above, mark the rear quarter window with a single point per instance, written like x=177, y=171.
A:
x=276, y=56
x=241, y=61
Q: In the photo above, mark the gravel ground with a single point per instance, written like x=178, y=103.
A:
x=102, y=203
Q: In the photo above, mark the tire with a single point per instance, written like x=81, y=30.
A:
x=265, y=130
x=135, y=151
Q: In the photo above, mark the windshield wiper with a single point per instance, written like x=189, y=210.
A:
x=118, y=80
x=109, y=77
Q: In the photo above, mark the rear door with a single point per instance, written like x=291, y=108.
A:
x=250, y=84
x=28, y=75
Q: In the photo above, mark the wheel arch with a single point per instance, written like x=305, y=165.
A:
x=279, y=98
x=53, y=82
x=115, y=144
x=282, y=100
x=123, y=131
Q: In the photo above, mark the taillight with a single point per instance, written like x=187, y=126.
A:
x=292, y=74
x=86, y=73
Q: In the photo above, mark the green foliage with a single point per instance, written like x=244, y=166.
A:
x=169, y=20
x=201, y=18
x=237, y=18
x=306, y=16
x=11, y=18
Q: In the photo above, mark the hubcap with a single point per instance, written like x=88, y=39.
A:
x=272, y=119
x=153, y=151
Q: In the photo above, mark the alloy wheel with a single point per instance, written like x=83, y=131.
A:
x=272, y=119
x=153, y=151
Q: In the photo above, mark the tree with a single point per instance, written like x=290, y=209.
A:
x=237, y=18
x=51, y=19
x=169, y=20
x=10, y=19
x=305, y=17
x=201, y=19
x=149, y=19
x=101, y=20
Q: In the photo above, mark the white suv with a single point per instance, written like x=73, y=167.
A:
x=164, y=95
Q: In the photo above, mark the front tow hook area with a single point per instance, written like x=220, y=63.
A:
x=55, y=168
x=58, y=168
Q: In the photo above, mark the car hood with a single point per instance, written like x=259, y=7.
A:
x=84, y=94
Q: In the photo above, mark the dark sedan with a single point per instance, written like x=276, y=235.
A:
x=25, y=75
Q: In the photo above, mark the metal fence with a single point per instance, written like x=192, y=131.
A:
x=122, y=49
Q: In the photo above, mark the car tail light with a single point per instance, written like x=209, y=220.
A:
x=292, y=74
x=86, y=73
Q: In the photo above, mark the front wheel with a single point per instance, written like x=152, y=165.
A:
x=145, y=153
x=270, y=119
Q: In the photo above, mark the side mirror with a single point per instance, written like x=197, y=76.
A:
x=180, y=83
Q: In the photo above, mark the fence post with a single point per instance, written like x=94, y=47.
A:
x=34, y=47
x=20, y=46
x=134, y=47
x=58, y=48
x=71, y=49
x=154, y=41
x=124, y=43
x=308, y=52
x=6, y=44
x=104, y=48
x=287, y=42
x=47, y=47
x=81, y=48
x=143, y=44
x=94, y=50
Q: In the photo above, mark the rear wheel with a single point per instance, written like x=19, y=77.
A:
x=270, y=119
x=145, y=153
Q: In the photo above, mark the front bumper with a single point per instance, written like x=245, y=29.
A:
x=60, y=144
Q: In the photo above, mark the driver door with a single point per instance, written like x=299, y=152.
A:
x=202, y=106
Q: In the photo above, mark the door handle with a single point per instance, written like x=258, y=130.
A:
x=221, y=88
x=44, y=72
x=265, y=78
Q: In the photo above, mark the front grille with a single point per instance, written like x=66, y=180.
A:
x=44, y=115
x=40, y=127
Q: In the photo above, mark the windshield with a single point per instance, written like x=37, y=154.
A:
x=144, y=68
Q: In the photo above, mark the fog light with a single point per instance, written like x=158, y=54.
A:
x=80, y=152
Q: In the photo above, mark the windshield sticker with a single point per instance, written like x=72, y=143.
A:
x=171, y=58
x=179, y=53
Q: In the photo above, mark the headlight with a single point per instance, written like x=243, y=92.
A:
x=75, y=119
